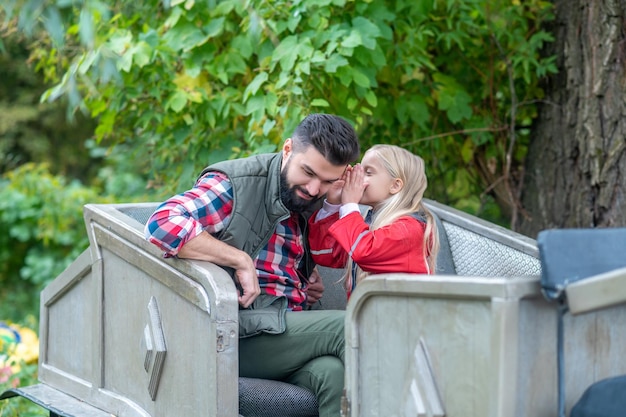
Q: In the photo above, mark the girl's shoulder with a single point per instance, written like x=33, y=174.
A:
x=419, y=216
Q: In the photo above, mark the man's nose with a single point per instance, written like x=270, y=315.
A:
x=313, y=187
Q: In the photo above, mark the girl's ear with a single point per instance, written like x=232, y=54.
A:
x=396, y=186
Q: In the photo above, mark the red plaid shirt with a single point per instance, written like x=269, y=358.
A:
x=208, y=207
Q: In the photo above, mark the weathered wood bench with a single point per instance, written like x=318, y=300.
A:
x=127, y=332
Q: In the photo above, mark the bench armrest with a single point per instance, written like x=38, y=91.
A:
x=600, y=291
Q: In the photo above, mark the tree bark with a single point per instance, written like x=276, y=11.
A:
x=576, y=164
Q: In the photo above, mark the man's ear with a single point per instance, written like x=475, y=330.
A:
x=396, y=186
x=287, y=148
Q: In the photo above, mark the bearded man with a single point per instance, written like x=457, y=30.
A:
x=250, y=216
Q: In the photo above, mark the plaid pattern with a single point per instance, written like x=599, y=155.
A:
x=208, y=206
x=277, y=263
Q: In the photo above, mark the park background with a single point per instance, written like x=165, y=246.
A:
x=516, y=106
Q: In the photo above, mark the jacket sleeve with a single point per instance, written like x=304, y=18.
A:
x=325, y=249
x=397, y=247
x=205, y=207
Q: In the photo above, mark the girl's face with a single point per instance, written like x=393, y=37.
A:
x=380, y=185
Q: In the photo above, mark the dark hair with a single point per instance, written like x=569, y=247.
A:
x=331, y=135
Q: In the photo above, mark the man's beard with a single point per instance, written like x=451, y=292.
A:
x=289, y=197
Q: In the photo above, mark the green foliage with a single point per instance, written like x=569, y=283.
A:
x=40, y=215
x=34, y=131
x=184, y=83
x=43, y=228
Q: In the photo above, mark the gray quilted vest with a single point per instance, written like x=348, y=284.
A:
x=257, y=209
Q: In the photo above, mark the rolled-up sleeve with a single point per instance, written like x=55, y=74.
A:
x=205, y=207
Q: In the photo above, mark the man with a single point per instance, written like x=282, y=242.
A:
x=250, y=217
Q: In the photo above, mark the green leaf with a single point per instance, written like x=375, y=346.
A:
x=185, y=36
x=256, y=103
x=224, y=7
x=319, y=102
x=125, y=62
x=335, y=61
x=371, y=98
x=353, y=40
x=268, y=126
x=120, y=41
x=378, y=57
x=173, y=18
x=368, y=31
x=286, y=53
x=243, y=45
x=360, y=78
x=305, y=49
x=467, y=150
x=142, y=54
x=352, y=103
x=271, y=102
x=254, y=86
x=453, y=99
x=86, y=27
x=456, y=103
x=283, y=79
x=215, y=27
x=293, y=22
x=304, y=67
x=318, y=56
x=53, y=23
x=318, y=3
x=235, y=64
x=86, y=61
x=178, y=101
x=418, y=111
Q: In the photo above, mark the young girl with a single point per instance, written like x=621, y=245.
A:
x=402, y=236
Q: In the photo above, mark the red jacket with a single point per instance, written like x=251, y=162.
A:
x=397, y=247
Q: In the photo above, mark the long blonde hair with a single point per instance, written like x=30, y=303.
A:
x=409, y=168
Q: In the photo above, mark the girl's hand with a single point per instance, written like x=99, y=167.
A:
x=315, y=288
x=354, y=187
x=333, y=196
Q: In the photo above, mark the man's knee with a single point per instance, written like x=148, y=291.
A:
x=324, y=376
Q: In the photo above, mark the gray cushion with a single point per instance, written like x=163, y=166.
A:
x=445, y=262
x=267, y=398
x=334, y=297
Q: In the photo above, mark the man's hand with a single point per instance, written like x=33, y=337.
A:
x=315, y=289
x=249, y=282
x=205, y=247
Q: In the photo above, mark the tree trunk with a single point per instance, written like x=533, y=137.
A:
x=576, y=165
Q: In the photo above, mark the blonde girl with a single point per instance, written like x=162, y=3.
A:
x=402, y=235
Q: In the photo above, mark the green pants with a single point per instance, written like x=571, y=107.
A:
x=309, y=354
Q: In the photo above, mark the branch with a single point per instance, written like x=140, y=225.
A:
x=515, y=203
x=459, y=132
